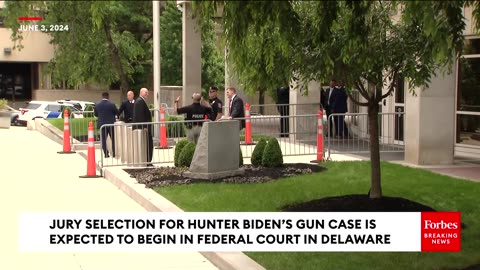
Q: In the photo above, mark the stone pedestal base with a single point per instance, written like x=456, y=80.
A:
x=215, y=175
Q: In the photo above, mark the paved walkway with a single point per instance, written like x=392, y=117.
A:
x=34, y=178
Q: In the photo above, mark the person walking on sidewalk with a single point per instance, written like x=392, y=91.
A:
x=106, y=112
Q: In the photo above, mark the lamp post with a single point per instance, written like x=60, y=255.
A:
x=156, y=58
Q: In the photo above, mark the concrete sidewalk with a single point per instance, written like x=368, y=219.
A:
x=37, y=179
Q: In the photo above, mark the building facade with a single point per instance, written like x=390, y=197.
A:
x=442, y=121
x=21, y=71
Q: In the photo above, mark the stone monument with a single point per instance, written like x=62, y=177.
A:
x=216, y=155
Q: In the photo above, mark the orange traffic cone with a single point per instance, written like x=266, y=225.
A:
x=320, y=156
x=91, y=166
x=163, y=131
x=248, y=127
x=67, y=148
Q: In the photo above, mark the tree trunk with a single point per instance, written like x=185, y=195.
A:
x=376, y=186
x=261, y=100
x=117, y=62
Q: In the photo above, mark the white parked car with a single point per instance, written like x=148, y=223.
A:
x=80, y=105
x=46, y=110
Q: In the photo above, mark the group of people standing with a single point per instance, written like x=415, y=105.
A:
x=134, y=111
x=201, y=110
x=137, y=111
x=333, y=100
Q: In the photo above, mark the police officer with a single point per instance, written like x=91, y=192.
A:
x=197, y=112
x=215, y=103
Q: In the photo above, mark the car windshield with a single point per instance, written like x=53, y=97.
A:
x=32, y=106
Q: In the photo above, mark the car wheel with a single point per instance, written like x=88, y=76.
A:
x=15, y=121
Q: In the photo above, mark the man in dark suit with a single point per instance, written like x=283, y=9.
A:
x=106, y=112
x=127, y=108
x=142, y=114
x=338, y=104
x=235, y=106
x=326, y=101
x=283, y=101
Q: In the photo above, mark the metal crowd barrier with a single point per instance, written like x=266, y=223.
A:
x=284, y=109
x=301, y=140
x=298, y=137
x=351, y=135
x=79, y=126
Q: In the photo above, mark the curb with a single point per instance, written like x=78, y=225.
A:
x=154, y=202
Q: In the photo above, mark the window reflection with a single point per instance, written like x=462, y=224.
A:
x=468, y=98
x=468, y=129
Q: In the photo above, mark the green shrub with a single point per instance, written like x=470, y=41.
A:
x=178, y=150
x=88, y=112
x=257, y=153
x=240, y=161
x=151, y=106
x=272, y=155
x=175, y=130
x=186, y=155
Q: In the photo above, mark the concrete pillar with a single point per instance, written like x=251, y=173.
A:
x=156, y=5
x=156, y=55
x=232, y=81
x=430, y=123
x=192, y=55
x=305, y=127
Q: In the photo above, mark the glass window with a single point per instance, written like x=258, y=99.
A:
x=32, y=106
x=468, y=129
x=54, y=108
x=472, y=46
x=468, y=96
x=400, y=90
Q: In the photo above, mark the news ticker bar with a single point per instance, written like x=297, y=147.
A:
x=243, y=231
x=30, y=18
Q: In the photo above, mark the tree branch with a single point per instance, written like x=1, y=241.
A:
x=356, y=101
x=392, y=86
x=362, y=90
x=148, y=38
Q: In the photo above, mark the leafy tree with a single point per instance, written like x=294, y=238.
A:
x=258, y=60
x=367, y=45
x=106, y=41
x=213, y=70
x=171, y=45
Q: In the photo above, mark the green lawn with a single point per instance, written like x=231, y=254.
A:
x=78, y=126
x=440, y=192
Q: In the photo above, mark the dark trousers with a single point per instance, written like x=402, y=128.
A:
x=340, y=126
x=105, y=133
x=149, y=147
x=284, y=111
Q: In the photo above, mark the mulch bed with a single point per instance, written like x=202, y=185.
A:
x=166, y=176
x=359, y=203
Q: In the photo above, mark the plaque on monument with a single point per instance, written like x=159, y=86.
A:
x=216, y=155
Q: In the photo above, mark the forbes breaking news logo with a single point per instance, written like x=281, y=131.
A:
x=441, y=232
